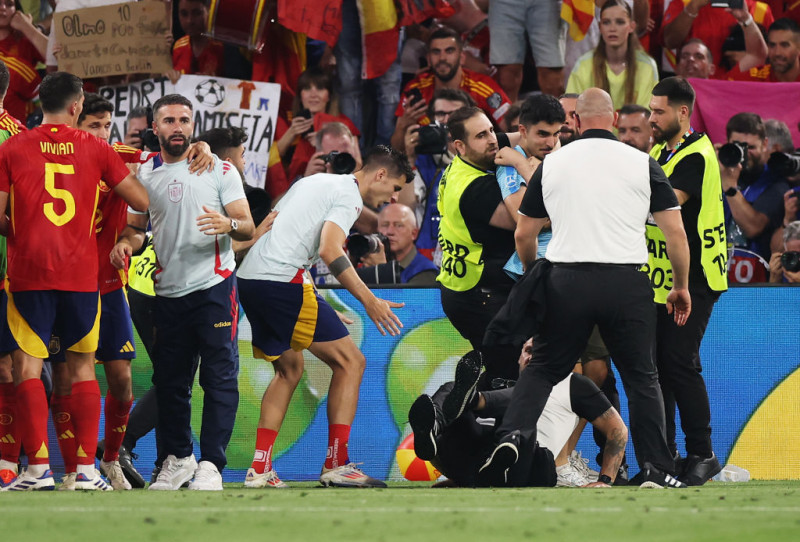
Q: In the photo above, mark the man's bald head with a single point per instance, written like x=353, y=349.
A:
x=399, y=224
x=595, y=109
x=399, y=211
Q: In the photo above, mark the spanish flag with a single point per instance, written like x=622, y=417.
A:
x=380, y=34
x=380, y=28
x=281, y=61
x=317, y=19
x=579, y=15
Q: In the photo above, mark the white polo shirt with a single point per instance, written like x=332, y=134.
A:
x=598, y=193
x=188, y=259
x=292, y=245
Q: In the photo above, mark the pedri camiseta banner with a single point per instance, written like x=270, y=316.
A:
x=750, y=357
x=218, y=103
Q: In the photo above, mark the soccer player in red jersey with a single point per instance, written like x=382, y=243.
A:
x=49, y=187
x=9, y=437
x=116, y=344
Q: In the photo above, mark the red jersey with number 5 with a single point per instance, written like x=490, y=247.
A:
x=52, y=175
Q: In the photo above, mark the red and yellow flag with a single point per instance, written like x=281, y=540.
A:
x=579, y=15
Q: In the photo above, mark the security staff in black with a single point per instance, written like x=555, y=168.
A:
x=689, y=160
x=597, y=192
x=476, y=234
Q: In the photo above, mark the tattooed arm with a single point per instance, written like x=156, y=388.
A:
x=612, y=426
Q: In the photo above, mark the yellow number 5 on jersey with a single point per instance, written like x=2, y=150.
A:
x=50, y=171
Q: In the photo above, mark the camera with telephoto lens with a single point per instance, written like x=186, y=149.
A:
x=341, y=163
x=784, y=164
x=359, y=245
x=791, y=261
x=432, y=139
x=148, y=138
x=732, y=154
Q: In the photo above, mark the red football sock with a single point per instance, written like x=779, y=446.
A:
x=10, y=440
x=265, y=440
x=338, y=435
x=61, y=406
x=86, y=419
x=32, y=420
x=117, y=414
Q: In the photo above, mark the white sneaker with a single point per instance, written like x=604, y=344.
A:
x=206, y=478
x=113, y=471
x=29, y=482
x=86, y=482
x=347, y=476
x=174, y=473
x=267, y=479
x=581, y=464
x=68, y=482
x=569, y=476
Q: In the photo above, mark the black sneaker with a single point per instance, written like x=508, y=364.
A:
x=622, y=476
x=494, y=472
x=468, y=371
x=425, y=422
x=699, y=470
x=651, y=477
x=131, y=474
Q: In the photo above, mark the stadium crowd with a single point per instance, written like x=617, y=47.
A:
x=425, y=155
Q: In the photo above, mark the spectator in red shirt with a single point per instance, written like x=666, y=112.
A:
x=697, y=19
x=695, y=60
x=783, y=41
x=22, y=46
x=445, y=59
x=195, y=53
x=314, y=106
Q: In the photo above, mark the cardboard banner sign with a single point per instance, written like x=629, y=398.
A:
x=217, y=102
x=114, y=40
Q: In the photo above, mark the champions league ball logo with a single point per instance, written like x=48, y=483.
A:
x=210, y=93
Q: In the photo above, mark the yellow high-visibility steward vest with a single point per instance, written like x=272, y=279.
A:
x=710, y=226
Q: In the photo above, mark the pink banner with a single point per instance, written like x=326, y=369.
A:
x=718, y=101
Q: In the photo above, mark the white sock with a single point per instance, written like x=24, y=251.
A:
x=88, y=470
x=8, y=465
x=38, y=470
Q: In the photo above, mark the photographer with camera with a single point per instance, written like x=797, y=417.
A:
x=140, y=134
x=430, y=150
x=784, y=266
x=397, y=227
x=753, y=191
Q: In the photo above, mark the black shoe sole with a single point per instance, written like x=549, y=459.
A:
x=422, y=417
x=468, y=371
x=494, y=472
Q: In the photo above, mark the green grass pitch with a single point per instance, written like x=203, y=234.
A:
x=753, y=511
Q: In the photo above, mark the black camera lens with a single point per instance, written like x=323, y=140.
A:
x=784, y=164
x=432, y=140
x=359, y=245
x=791, y=261
x=341, y=163
x=733, y=154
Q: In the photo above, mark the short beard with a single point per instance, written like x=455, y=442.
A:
x=175, y=150
x=668, y=133
x=446, y=78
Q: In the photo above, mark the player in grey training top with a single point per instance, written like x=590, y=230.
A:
x=196, y=310
x=287, y=315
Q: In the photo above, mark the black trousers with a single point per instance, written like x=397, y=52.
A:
x=619, y=300
x=470, y=313
x=679, y=368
